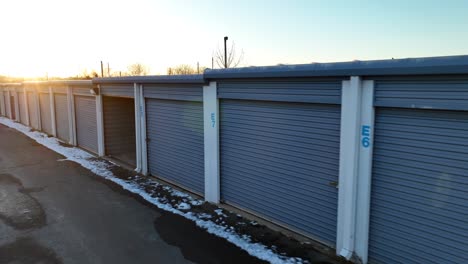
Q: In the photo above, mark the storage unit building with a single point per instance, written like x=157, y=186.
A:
x=279, y=150
x=119, y=122
x=175, y=139
x=85, y=118
x=420, y=171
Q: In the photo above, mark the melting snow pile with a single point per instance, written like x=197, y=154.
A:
x=101, y=168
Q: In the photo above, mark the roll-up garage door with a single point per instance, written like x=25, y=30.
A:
x=119, y=128
x=86, y=124
x=46, y=118
x=279, y=151
x=419, y=187
x=175, y=147
x=22, y=108
x=61, y=116
x=32, y=108
x=13, y=107
x=2, y=104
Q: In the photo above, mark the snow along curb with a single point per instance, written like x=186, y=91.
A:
x=100, y=168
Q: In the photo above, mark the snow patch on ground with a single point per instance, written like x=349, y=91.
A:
x=183, y=206
x=101, y=168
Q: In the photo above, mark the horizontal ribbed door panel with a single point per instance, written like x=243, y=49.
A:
x=119, y=128
x=419, y=187
x=22, y=108
x=126, y=90
x=86, y=124
x=32, y=108
x=446, y=93
x=176, y=142
x=278, y=160
x=46, y=118
x=61, y=116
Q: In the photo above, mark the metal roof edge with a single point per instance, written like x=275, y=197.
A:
x=185, y=79
x=408, y=66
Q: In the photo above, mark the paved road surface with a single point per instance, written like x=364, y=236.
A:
x=58, y=212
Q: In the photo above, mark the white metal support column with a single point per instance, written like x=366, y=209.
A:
x=357, y=121
x=138, y=143
x=17, y=110
x=71, y=116
x=100, y=123
x=38, y=110
x=144, y=147
x=26, y=106
x=52, y=111
x=211, y=131
x=365, y=171
x=349, y=148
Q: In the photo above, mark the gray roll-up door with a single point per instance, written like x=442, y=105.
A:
x=175, y=147
x=86, y=124
x=46, y=117
x=61, y=116
x=2, y=104
x=32, y=108
x=280, y=160
x=419, y=187
x=119, y=128
x=13, y=107
x=22, y=108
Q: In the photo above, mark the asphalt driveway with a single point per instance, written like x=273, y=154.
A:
x=55, y=211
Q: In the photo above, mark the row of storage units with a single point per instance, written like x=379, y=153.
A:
x=282, y=137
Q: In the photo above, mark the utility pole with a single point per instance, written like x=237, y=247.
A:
x=108, y=70
x=212, y=63
x=198, y=67
x=225, y=52
x=102, y=70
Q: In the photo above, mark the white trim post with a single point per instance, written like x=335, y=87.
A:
x=26, y=106
x=144, y=138
x=211, y=131
x=53, y=121
x=71, y=116
x=365, y=171
x=100, y=123
x=137, y=101
x=348, y=169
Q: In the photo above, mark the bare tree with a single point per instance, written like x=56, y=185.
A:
x=87, y=75
x=234, y=57
x=183, y=69
x=137, y=69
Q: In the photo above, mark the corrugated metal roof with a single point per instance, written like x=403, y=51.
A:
x=195, y=78
x=409, y=66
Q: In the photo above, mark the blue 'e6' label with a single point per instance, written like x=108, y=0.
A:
x=365, y=134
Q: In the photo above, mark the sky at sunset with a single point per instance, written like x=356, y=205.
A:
x=65, y=37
